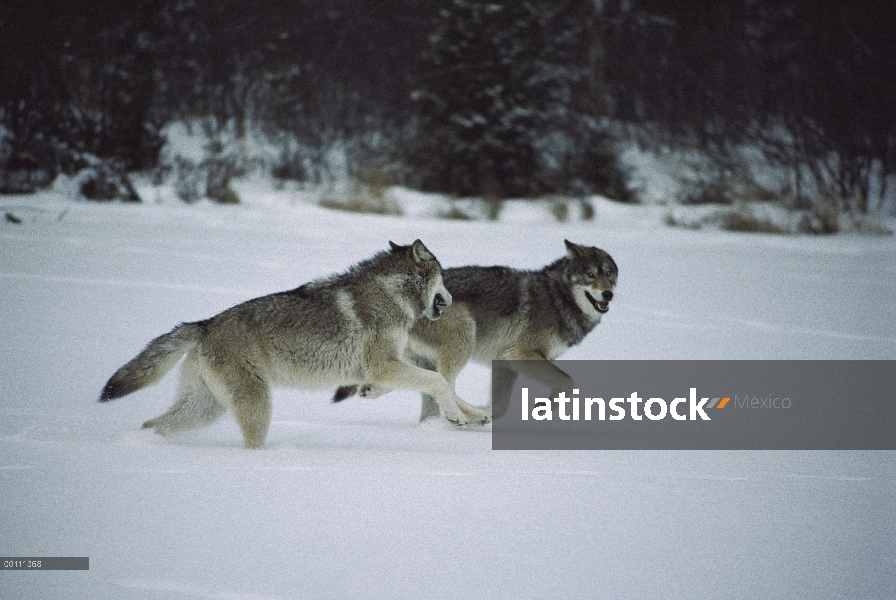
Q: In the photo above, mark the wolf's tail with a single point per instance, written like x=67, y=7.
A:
x=159, y=357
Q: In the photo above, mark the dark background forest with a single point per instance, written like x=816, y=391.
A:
x=494, y=99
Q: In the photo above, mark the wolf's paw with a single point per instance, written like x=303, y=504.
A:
x=479, y=417
x=475, y=415
x=369, y=390
x=457, y=418
x=467, y=417
x=484, y=420
x=458, y=422
x=467, y=424
x=156, y=427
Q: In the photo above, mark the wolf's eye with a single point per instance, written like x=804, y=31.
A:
x=589, y=274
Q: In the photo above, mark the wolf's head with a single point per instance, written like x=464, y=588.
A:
x=592, y=275
x=426, y=279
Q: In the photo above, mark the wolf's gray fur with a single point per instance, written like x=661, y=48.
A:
x=348, y=328
x=501, y=313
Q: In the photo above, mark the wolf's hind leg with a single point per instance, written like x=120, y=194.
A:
x=247, y=394
x=429, y=408
x=196, y=406
x=253, y=413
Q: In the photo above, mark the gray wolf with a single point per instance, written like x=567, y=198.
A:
x=351, y=327
x=500, y=313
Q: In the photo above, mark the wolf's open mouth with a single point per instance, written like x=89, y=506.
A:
x=599, y=305
x=438, y=303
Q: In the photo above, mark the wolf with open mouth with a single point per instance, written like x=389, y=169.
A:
x=351, y=327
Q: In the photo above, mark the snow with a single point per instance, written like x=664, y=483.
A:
x=357, y=500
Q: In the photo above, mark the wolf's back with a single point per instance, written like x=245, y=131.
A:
x=488, y=291
x=159, y=357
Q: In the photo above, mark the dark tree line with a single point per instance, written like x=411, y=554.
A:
x=809, y=82
x=494, y=98
x=101, y=79
x=506, y=101
x=73, y=83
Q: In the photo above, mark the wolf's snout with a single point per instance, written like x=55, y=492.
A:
x=439, y=301
x=602, y=305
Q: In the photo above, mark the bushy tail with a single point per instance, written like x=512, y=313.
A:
x=159, y=357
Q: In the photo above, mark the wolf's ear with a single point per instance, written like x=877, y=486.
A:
x=420, y=253
x=573, y=250
x=394, y=246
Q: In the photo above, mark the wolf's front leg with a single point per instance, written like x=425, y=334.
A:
x=537, y=367
x=400, y=375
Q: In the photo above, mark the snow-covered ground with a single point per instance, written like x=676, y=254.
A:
x=357, y=500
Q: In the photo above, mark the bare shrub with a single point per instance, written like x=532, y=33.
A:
x=361, y=199
x=560, y=211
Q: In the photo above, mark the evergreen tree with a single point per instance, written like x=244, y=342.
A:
x=500, y=101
